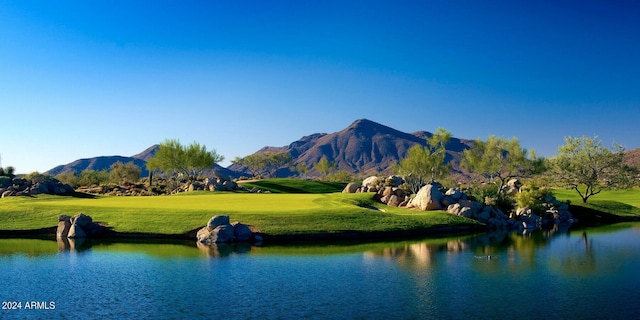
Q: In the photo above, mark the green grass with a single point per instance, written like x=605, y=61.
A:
x=274, y=214
x=607, y=205
x=282, y=185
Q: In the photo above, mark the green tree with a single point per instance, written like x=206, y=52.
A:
x=92, y=177
x=586, y=166
x=275, y=161
x=188, y=161
x=499, y=160
x=124, y=172
x=325, y=167
x=302, y=169
x=265, y=163
x=71, y=178
x=423, y=163
x=8, y=172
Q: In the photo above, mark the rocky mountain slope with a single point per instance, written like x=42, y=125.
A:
x=363, y=147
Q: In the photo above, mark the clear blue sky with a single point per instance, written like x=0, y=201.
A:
x=80, y=79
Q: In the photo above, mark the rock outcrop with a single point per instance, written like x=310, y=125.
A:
x=220, y=230
x=24, y=187
x=454, y=201
x=78, y=226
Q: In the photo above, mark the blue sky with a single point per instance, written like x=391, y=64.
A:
x=80, y=79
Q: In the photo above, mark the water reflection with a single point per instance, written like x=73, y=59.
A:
x=221, y=250
x=73, y=244
x=503, y=249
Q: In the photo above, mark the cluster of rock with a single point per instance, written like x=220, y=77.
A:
x=454, y=201
x=78, y=226
x=220, y=230
x=24, y=187
x=117, y=190
x=220, y=183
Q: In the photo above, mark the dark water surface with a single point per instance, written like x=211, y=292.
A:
x=582, y=274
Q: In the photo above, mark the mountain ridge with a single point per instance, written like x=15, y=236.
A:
x=363, y=147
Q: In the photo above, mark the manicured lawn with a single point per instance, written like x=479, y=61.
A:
x=274, y=214
x=622, y=203
x=284, y=185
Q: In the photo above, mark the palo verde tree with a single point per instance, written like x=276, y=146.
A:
x=188, y=161
x=499, y=160
x=265, y=163
x=424, y=163
x=586, y=166
x=124, y=172
x=325, y=167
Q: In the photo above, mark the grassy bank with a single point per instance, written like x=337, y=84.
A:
x=294, y=186
x=273, y=214
x=606, y=207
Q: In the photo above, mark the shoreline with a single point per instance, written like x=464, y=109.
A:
x=587, y=218
x=269, y=239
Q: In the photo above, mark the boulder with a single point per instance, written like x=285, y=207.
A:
x=351, y=188
x=513, y=187
x=455, y=194
x=394, y=181
x=394, y=200
x=427, y=198
x=241, y=232
x=82, y=220
x=218, y=221
x=370, y=182
x=75, y=231
x=64, y=225
x=221, y=234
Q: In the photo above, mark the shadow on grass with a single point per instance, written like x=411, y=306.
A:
x=604, y=212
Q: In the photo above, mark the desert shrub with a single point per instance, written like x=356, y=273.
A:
x=531, y=196
x=5, y=181
x=340, y=176
x=36, y=177
x=93, y=178
x=489, y=196
x=69, y=178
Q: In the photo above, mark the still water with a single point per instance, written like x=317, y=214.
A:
x=582, y=274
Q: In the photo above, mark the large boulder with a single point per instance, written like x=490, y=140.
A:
x=64, y=225
x=218, y=221
x=394, y=181
x=513, y=187
x=371, y=181
x=241, y=232
x=76, y=231
x=220, y=234
x=351, y=188
x=427, y=198
x=82, y=220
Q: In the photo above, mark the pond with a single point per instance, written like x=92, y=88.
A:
x=584, y=274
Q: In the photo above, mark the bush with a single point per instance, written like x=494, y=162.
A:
x=340, y=176
x=5, y=181
x=36, y=177
x=69, y=178
x=489, y=196
x=531, y=196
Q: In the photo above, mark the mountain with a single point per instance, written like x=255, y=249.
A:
x=97, y=164
x=363, y=147
x=148, y=153
x=140, y=159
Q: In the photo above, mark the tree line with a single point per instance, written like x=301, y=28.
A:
x=583, y=164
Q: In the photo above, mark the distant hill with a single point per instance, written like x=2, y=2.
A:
x=140, y=160
x=148, y=153
x=97, y=164
x=363, y=147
